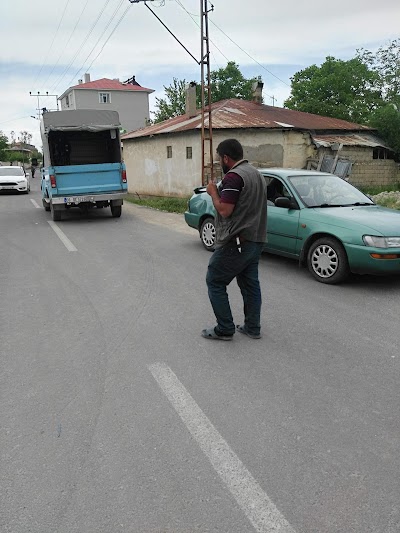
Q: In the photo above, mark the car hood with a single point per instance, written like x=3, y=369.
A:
x=6, y=179
x=374, y=217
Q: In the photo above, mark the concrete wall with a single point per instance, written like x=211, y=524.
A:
x=366, y=170
x=132, y=106
x=150, y=172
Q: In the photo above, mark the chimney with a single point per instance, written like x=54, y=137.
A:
x=257, y=92
x=87, y=77
x=80, y=82
x=190, y=99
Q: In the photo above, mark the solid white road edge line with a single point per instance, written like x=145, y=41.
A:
x=255, y=503
x=64, y=239
x=35, y=203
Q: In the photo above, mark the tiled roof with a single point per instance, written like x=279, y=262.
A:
x=235, y=114
x=111, y=85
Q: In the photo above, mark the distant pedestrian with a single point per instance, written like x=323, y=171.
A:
x=241, y=211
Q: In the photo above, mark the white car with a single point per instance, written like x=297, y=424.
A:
x=14, y=179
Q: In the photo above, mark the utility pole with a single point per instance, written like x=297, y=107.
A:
x=206, y=97
x=207, y=169
x=38, y=96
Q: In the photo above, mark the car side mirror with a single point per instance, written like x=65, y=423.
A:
x=282, y=201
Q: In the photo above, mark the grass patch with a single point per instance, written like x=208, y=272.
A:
x=373, y=190
x=170, y=205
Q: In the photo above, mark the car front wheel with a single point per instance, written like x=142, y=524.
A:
x=207, y=234
x=327, y=261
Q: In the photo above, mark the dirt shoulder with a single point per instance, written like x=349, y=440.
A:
x=174, y=221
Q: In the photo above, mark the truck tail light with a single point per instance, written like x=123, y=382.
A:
x=123, y=175
x=53, y=181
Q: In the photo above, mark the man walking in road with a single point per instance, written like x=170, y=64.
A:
x=241, y=211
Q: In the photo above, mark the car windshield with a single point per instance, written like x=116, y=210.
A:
x=327, y=190
x=16, y=171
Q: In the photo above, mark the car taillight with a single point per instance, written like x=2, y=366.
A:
x=53, y=181
x=123, y=176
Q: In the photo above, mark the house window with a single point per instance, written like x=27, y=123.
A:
x=382, y=153
x=104, y=98
x=188, y=152
x=67, y=100
x=169, y=152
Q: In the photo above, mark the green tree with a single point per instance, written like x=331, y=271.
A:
x=227, y=82
x=387, y=121
x=348, y=90
x=3, y=146
x=173, y=104
x=386, y=63
x=16, y=157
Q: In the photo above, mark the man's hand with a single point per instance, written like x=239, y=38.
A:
x=225, y=210
x=212, y=189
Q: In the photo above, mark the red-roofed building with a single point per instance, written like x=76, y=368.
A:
x=130, y=99
x=164, y=159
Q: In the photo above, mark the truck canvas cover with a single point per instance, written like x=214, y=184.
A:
x=80, y=120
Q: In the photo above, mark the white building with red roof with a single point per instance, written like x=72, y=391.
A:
x=130, y=99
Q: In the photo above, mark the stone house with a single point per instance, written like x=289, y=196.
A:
x=130, y=99
x=164, y=159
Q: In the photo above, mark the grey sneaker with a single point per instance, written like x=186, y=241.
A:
x=209, y=333
x=243, y=330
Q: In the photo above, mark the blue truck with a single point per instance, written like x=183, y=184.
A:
x=82, y=161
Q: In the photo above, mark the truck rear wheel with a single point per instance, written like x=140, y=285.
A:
x=55, y=215
x=116, y=210
x=46, y=205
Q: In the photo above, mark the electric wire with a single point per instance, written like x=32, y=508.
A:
x=252, y=58
x=109, y=37
x=52, y=42
x=80, y=47
x=191, y=16
x=99, y=39
x=66, y=44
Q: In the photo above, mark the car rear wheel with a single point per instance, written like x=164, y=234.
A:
x=327, y=261
x=207, y=234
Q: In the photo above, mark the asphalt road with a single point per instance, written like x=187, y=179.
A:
x=116, y=415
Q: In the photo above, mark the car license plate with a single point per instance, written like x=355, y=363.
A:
x=77, y=199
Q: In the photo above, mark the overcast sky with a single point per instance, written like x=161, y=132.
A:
x=48, y=45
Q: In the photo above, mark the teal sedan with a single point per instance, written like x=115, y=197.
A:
x=319, y=219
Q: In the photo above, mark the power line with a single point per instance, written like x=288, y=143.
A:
x=198, y=25
x=59, y=80
x=252, y=58
x=191, y=16
x=52, y=42
x=109, y=37
x=99, y=39
x=66, y=44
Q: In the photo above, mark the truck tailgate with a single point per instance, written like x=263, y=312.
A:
x=73, y=180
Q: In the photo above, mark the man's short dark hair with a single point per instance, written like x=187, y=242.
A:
x=232, y=148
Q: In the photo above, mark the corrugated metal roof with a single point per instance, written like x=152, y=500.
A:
x=350, y=139
x=111, y=85
x=235, y=113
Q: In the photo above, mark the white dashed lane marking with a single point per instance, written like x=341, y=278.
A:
x=61, y=235
x=254, y=502
x=35, y=203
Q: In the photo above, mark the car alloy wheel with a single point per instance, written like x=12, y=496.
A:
x=207, y=234
x=327, y=261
